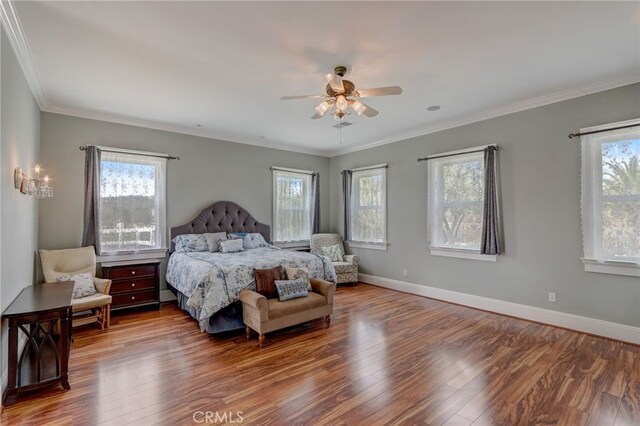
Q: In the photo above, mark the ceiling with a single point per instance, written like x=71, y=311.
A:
x=224, y=65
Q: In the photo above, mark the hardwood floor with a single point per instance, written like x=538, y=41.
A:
x=388, y=358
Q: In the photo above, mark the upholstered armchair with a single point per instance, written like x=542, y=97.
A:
x=347, y=269
x=78, y=261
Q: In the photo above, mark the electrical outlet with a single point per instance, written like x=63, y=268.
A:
x=405, y=272
x=552, y=297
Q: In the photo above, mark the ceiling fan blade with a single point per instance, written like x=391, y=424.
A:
x=380, y=91
x=286, y=98
x=335, y=81
x=316, y=116
x=370, y=112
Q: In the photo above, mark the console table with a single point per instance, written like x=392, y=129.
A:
x=45, y=356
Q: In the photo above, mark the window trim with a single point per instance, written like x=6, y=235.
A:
x=142, y=253
x=460, y=253
x=373, y=245
x=299, y=244
x=609, y=266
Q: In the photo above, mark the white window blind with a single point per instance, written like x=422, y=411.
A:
x=455, y=201
x=132, y=202
x=292, y=203
x=611, y=194
x=369, y=205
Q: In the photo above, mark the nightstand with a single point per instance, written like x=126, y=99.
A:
x=133, y=284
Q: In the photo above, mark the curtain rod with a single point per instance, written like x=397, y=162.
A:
x=302, y=172
x=495, y=147
x=359, y=169
x=578, y=134
x=125, y=151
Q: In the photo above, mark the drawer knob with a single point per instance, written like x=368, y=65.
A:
x=133, y=298
x=133, y=284
x=133, y=272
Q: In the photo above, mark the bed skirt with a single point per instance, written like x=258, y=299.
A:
x=227, y=319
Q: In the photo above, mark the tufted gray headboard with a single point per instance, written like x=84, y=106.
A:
x=223, y=216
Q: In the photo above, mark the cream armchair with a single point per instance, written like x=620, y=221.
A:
x=78, y=261
x=347, y=270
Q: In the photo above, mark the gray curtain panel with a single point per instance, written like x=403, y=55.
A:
x=490, y=242
x=90, y=230
x=346, y=193
x=315, y=212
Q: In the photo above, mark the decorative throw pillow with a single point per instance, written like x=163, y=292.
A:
x=231, y=246
x=333, y=252
x=188, y=243
x=239, y=234
x=265, y=279
x=298, y=273
x=83, y=284
x=247, y=242
x=258, y=240
x=291, y=289
x=213, y=240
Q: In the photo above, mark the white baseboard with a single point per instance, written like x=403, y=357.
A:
x=167, y=296
x=612, y=330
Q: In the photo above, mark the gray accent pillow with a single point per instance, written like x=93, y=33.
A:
x=231, y=246
x=258, y=240
x=291, y=289
x=83, y=284
x=187, y=243
x=213, y=240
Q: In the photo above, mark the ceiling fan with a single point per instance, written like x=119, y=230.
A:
x=342, y=98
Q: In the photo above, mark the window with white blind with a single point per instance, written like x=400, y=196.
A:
x=132, y=202
x=611, y=198
x=455, y=201
x=292, y=205
x=369, y=206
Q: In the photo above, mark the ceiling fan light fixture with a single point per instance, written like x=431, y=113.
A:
x=341, y=103
x=322, y=108
x=358, y=107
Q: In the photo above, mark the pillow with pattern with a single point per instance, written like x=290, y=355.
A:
x=291, y=289
x=333, y=252
x=213, y=240
x=258, y=240
x=188, y=243
x=82, y=284
x=298, y=273
x=231, y=246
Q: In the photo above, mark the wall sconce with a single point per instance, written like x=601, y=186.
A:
x=37, y=186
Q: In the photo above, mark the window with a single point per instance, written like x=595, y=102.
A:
x=455, y=204
x=368, y=220
x=292, y=206
x=132, y=202
x=611, y=199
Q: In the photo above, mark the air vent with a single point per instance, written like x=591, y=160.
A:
x=342, y=124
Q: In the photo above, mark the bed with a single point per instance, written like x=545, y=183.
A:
x=207, y=285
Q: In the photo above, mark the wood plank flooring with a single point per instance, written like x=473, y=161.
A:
x=388, y=358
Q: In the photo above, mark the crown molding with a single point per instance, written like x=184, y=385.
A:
x=175, y=128
x=13, y=28
x=563, y=95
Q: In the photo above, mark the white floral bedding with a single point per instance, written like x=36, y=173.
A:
x=213, y=281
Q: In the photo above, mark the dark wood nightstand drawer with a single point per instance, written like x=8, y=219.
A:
x=132, y=271
x=133, y=284
x=133, y=298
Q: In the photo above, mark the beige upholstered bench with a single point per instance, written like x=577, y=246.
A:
x=265, y=315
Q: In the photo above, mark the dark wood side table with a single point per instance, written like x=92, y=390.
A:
x=133, y=283
x=45, y=357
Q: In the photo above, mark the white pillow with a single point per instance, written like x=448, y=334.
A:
x=213, y=240
x=83, y=284
x=258, y=240
x=231, y=246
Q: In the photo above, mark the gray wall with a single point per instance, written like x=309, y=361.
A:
x=19, y=140
x=540, y=191
x=209, y=170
